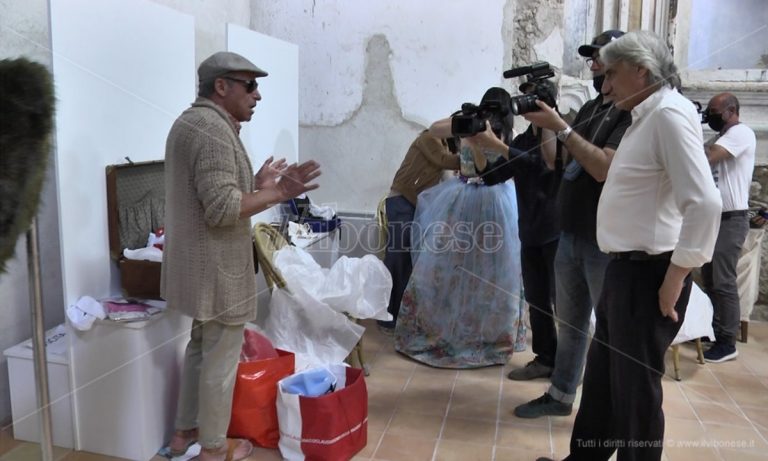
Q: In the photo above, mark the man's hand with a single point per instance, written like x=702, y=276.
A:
x=670, y=290
x=295, y=179
x=266, y=177
x=547, y=117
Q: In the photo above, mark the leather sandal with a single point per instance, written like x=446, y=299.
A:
x=181, y=441
x=235, y=450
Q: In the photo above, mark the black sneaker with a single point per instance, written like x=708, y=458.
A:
x=543, y=406
x=532, y=370
x=720, y=353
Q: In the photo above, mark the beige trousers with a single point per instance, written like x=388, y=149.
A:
x=208, y=381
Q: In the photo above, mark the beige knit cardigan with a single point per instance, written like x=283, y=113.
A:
x=208, y=269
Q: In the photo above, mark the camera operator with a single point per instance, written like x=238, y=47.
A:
x=579, y=263
x=536, y=185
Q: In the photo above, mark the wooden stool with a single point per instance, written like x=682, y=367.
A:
x=676, y=356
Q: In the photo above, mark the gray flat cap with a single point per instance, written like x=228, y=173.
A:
x=225, y=62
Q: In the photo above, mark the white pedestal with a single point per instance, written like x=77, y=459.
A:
x=126, y=379
x=21, y=377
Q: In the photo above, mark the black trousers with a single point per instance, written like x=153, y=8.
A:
x=397, y=258
x=622, y=395
x=538, y=266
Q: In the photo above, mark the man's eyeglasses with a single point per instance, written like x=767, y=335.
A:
x=250, y=85
x=590, y=61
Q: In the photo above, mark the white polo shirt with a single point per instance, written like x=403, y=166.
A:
x=659, y=195
x=734, y=174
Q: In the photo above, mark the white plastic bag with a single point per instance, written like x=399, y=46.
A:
x=313, y=331
x=360, y=287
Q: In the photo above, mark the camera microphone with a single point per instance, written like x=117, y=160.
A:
x=518, y=71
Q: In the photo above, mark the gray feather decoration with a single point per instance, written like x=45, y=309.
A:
x=26, y=118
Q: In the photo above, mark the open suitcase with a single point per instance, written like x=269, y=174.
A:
x=135, y=207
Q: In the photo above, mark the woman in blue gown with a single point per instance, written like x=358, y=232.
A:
x=461, y=307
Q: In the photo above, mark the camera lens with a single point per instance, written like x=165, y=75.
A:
x=524, y=104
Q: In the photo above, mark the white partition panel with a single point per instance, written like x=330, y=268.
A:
x=274, y=128
x=124, y=70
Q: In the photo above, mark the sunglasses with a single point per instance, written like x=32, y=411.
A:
x=591, y=60
x=250, y=85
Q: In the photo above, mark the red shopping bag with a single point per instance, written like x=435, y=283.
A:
x=254, y=411
x=331, y=427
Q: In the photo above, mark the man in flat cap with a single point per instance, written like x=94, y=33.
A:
x=208, y=267
x=588, y=147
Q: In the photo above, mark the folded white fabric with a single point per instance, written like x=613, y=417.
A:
x=84, y=312
x=149, y=254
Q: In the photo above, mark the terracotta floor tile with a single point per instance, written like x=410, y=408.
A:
x=730, y=436
x=514, y=454
x=706, y=393
x=716, y=413
x=436, y=406
x=729, y=454
x=681, y=409
x=374, y=437
x=473, y=431
x=396, y=447
x=691, y=454
x=379, y=416
x=483, y=409
x=409, y=407
x=452, y=450
x=520, y=437
x=416, y=425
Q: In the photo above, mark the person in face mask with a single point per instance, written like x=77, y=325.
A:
x=588, y=147
x=731, y=154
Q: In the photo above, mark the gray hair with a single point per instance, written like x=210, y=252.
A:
x=645, y=49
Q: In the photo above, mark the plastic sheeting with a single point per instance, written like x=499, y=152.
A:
x=311, y=317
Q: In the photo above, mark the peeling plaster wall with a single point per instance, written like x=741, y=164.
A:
x=372, y=74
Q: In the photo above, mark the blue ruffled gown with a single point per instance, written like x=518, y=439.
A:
x=462, y=306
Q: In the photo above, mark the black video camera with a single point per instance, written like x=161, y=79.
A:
x=472, y=118
x=535, y=74
x=703, y=112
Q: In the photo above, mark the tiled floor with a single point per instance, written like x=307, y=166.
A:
x=717, y=412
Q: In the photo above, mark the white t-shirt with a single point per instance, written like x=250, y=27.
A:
x=734, y=174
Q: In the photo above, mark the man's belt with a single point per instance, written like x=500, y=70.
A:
x=732, y=214
x=640, y=256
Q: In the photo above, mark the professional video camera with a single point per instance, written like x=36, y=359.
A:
x=471, y=119
x=703, y=112
x=535, y=74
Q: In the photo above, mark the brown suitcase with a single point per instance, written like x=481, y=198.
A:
x=135, y=207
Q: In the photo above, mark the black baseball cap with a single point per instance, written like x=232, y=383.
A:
x=600, y=41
